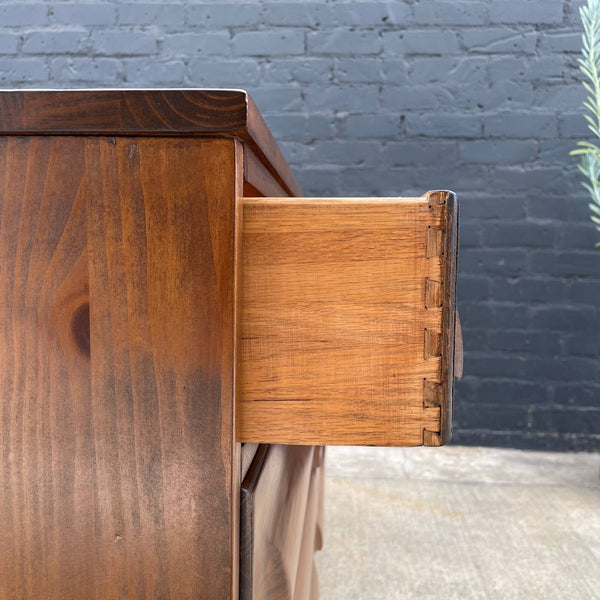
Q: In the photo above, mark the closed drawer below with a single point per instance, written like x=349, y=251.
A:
x=281, y=504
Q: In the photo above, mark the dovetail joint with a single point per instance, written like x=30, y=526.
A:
x=432, y=344
x=433, y=293
x=431, y=438
x=432, y=394
x=435, y=242
x=437, y=197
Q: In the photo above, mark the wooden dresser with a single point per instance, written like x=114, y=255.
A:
x=181, y=339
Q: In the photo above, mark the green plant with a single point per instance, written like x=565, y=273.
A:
x=589, y=64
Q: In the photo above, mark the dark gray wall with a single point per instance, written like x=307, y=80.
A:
x=390, y=98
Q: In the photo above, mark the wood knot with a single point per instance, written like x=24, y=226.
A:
x=80, y=328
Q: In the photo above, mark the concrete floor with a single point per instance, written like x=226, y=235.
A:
x=460, y=523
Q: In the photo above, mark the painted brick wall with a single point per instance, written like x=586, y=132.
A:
x=390, y=98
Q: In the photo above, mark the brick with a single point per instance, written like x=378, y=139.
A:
x=472, y=288
x=115, y=43
x=505, y=261
x=569, y=42
x=491, y=208
x=528, y=290
x=545, y=69
x=505, y=316
x=573, y=125
x=470, y=235
x=346, y=153
x=22, y=70
x=497, y=40
x=584, y=292
x=494, y=365
x=54, y=42
x=477, y=340
x=556, y=151
x=524, y=125
x=172, y=72
x=500, y=95
x=497, y=152
x=490, y=416
x=553, y=318
x=535, y=12
x=368, y=14
x=567, y=264
x=342, y=98
x=532, y=179
x=578, y=393
x=560, y=96
x=298, y=70
x=220, y=72
x=513, y=392
x=415, y=97
x=23, y=13
x=85, y=70
x=444, y=125
x=299, y=14
x=539, y=343
x=558, y=209
x=8, y=43
x=518, y=234
x=343, y=42
x=294, y=152
x=372, y=126
x=394, y=70
x=420, y=42
x=324, y=181
x=84, y=14
x=561, y=369
x=269, y=43
x=586, y=343
x=369, y=181
x=567, y=420
x=275, y=99
x=583, y=236
x=228, y=14
x=475, y=315
x=190, y=44
x=303, y=128
x=419, y=152
x=143, y=14
x=450, y=13
x=365, y=70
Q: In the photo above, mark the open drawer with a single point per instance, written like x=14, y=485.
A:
x=346, y=320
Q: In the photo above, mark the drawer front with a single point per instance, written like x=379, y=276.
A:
x=279, y=509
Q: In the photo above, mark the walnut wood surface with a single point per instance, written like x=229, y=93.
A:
x=258, y=176
x=334, y=321
x=449, y=348
x=274, y=516
x=181, y=112
x=119, y=475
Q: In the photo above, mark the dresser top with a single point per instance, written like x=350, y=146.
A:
x=154, y=112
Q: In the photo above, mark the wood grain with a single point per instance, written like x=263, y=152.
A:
x=120, y=471
x=258, y=176
x=146, y=112
x=333, y=319
x=274, y=506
